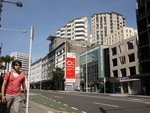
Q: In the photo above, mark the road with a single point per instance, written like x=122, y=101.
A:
x=94, y=103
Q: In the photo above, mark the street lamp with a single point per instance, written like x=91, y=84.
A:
x=29, y=71
x=18, y=4
x=8, y=29
x=0, y=49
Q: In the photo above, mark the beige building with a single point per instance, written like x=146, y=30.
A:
x=105, y=23
x=120, y=35
x=123, y=64
x=77, y=29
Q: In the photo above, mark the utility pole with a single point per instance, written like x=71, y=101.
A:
x=0, y=49
x=0, y=9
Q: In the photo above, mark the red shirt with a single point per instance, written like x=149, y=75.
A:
x=14, y=83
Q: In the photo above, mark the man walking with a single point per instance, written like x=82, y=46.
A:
x=11, y=88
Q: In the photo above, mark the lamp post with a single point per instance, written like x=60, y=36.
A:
x=29, y=71
x=86, y=75
x=18, y=4
x=0, y=49
x=8, y=29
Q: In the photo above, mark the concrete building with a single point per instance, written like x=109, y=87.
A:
x=76, y=29
x=104, y=24
x=36, y=74
x=57, y=56
x=59, y=49
x=119, y=35
x=123, y=65
x=143, y=23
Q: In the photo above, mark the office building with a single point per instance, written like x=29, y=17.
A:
x=143, y=23
x=123, y=65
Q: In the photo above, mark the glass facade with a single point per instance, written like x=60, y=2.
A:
x=94, y=60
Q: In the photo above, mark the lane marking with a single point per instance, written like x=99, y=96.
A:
x=59, y=102
x=105, y=104
x=74, y=108
x=58, y=97
x=65, y=105
x=83, y=112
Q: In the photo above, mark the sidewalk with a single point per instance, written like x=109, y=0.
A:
x=37, y=108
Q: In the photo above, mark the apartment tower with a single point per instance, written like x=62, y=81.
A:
x=77, y=29
x=105, y=23
x=120, y=35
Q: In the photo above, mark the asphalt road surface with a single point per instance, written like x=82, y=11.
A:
x=97, y=103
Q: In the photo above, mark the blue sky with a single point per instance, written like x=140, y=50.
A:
x=47, y=16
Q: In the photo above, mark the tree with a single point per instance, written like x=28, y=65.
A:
x=6, y=60
x=58, y=78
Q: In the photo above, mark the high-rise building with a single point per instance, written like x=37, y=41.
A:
x=105, y=23
x=24, y=58
x=143, y=23
x=77, y=29
x=120, y=35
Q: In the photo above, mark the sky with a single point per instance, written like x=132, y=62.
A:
x=47, y=16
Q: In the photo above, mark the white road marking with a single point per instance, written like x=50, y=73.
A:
x=74, y=108
x=105, y=104
x=83, y=112
x=65, y=105
x=58, y=96
x=59, y=102
x=136, y=99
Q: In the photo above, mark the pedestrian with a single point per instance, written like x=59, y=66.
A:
x=11, y=88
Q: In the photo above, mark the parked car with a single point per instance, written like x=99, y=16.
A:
x=77, y=88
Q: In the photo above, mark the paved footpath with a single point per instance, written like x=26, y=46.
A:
x=37, y=108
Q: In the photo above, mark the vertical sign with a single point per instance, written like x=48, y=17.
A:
x=70, y=67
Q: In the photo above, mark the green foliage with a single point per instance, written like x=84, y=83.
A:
x=4, y=60
x=58, y=75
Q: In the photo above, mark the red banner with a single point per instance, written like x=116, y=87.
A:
x=70, y=68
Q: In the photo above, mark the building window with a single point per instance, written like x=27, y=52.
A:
x=114, y=62
x=132, y=70
x=123, y=72
x=114, y=51
x=115, y=73
x=122, y=60
x=130, y=45
x=131, y=57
